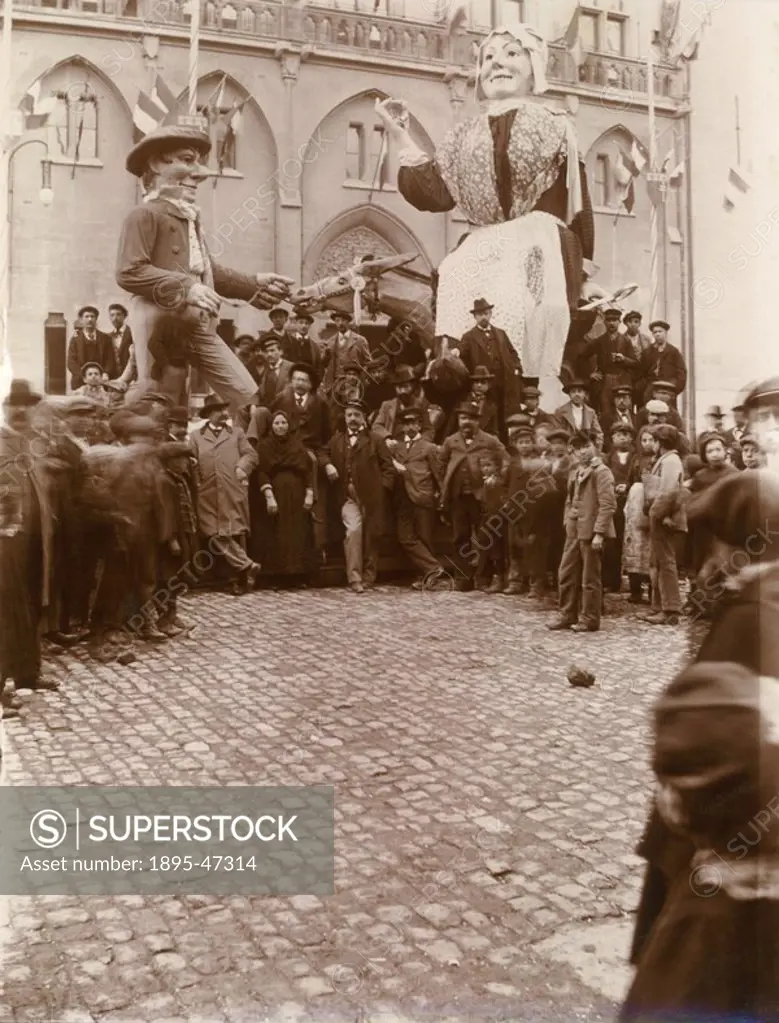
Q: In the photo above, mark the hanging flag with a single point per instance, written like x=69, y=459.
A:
x=689, y=51
x=36, y=109
x=573, y=43
x=739, y=183
x=164, y=98
x=230, y=127
x=636, y=160
x=624, y=181
x=147, y=115
x=669, y=22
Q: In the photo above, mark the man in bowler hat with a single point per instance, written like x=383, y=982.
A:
x=164, y=262
x=388, y=423
x=488, y=345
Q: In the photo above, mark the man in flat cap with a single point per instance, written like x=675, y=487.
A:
x=615, y=362
x=663, y=361
x=641, y=343
x=163, y=261
x=343, y=346
x=297, y=346
x=278, y=317
x=88, y=344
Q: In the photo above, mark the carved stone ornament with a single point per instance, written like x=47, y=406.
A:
x=350, y=246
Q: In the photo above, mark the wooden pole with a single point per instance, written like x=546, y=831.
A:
x=6, y=147
x=194, y=44
x=654, y=225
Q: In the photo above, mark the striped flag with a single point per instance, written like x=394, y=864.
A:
x=36, y=109
x=153, y=109
x=739, y=183
x=572, y=41
x=637, y=159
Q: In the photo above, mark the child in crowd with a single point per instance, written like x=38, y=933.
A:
x=490, y=538
x=635, y=542
x=620, y=460
x=92, y=387
x=177, y=549
x=518, y=517
x=589, y=519
x=751, y=456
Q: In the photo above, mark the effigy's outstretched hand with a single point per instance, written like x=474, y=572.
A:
x=271, y=289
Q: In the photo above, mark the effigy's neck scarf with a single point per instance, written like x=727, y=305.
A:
x=536, y=48
x=198, y=259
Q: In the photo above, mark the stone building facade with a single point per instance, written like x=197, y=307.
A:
x=302, y=192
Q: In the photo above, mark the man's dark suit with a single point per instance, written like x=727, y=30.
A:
x=122, y=353
x=666, y=365
x=492, y=348
x=297, y=348
x=81, y=350
x=313, y=421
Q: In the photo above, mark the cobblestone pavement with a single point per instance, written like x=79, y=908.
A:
x=482, y=806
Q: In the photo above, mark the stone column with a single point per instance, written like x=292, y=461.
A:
x=289, y=222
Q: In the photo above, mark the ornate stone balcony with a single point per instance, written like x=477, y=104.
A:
x=360, y=33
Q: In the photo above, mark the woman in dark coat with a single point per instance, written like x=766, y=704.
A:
x=742, y=511
x=285, y=481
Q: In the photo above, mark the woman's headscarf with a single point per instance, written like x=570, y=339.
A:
x=530, y=41
x=276, y=453
x=536, y=48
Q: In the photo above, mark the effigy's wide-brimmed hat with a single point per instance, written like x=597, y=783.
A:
x=162, y=140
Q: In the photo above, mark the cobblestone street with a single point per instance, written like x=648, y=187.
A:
x=484, y=809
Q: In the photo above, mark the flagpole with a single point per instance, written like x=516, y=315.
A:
x=738, y=136
x=6, y=146
x=194, y=43
x=654, y=275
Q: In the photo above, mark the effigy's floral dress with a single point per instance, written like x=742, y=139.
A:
x=510, y=174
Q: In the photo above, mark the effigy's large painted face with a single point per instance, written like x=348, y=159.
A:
x=178, y=172
x=505, y=71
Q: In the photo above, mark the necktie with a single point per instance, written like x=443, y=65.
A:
x=300, y=401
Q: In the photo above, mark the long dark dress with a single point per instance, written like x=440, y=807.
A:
x=283, y=543
x=21, y=582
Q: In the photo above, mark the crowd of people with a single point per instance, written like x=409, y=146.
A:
x=113, y=507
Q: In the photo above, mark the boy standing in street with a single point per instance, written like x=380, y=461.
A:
x=589, y=518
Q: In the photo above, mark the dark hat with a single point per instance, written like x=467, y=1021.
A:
x=212, y=403
x=337, y=314
x=305, y=367
x=405, y=375
x=468, y=408
x=567, y=388
x=749, y=438
x=412, y=412
x=481, y=305
x=558, y=433
x=715, y=411
x=738, y=507
x=179, y=414
x=620, y=427
x=660, y=323
x=268, y=338
x=88, y=309
x=355, y=401
x=517, y=420
x=126, y=422
x=245, y=337
x=667, y=435
x=706, y=439
x=713, y=745
x=765, y=393
x=662, y=385
x=21, y=395
x=91, y=365
x=522, y=430
x=632, y=315
x=174, y=449
x=351, y=367
x=118, y=305
x=79, y=403
x=612, y=314
x=302, y=317
x=530, y=382
x=582, y=438
x=162, y=140
x=622, y=389
x=159, y=397
x=279, y=310
x=531, y=392
x=482, y=373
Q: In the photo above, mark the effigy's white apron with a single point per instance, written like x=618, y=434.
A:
x=517, y=266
